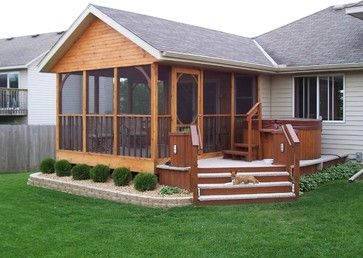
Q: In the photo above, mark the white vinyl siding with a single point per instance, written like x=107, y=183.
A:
x=281, y=97
x=338, y=137
x=41, y=97
x=264, y=83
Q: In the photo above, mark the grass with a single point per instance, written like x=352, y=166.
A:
x=36, y=222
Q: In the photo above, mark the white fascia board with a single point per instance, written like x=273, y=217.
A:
x=354, y=9
x=47, y=60
x=199, y=59
x=321, y=68
x=15, y=67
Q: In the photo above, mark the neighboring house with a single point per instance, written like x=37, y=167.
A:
x=126, y=82
x=26, y=95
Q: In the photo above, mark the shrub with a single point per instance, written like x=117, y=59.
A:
x=47, y=166
x=121, y=176
x=62, y=168
x=145, y=182
x=339, y=172
x=80, y=172
x=169, y=190
x=100, y=173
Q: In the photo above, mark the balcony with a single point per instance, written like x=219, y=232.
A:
x=13, y=102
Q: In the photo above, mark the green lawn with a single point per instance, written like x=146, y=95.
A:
x=36, y=222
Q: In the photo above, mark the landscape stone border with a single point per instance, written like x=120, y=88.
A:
x=75, y=188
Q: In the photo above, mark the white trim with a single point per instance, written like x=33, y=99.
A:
x=8, y=81
x=265, y=54
x=354, y=10
x=318, y=96
x=91, y=10
x=38, y=57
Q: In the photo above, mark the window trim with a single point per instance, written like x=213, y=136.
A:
x=318, y=96
x=8, y=81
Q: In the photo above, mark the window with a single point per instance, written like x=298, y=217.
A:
x=9, y=80
x=319, y=97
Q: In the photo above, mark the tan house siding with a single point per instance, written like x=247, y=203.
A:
x=100, y=46
x=337, y=137
x=281, y=96
x=347, y=137
x=264, y=83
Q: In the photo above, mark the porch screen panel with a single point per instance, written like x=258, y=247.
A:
x=70, y=117
x=134, y=119
x=164, y=115
x=100, y=133
x=245, y=99
x=216, y=111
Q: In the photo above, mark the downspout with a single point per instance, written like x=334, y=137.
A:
x=357, y=175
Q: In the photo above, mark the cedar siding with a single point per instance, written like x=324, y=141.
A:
x=100, y=46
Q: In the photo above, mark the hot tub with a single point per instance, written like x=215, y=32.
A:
x=308, y=131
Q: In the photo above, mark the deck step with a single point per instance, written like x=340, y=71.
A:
x=232, y=186
x=229, y=188
x=235, y=153
x=255, y=174
x=219, y=178
x=234, y=197
x=245, y=145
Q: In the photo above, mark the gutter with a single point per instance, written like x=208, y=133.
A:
x=16, y=67
x=214, y=61
x=278, y=69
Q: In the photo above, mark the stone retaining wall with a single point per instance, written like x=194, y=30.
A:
x=38, y=180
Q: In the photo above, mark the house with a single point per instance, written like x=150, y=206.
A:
x=126, y=81
x=26, y=95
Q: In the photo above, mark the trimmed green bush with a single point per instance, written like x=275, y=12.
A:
x=80, y=172
x=169, y=190
x=100, y=173
x=121, y=176
x=62, y=168
x=145, y=182
x=47, y=166
x=339, y=172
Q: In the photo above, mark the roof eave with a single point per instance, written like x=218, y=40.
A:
x=321, y=68
x=213, y=61
x=356, y=11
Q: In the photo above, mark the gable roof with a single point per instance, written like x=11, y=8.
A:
x=328, y=37
x=18, y=52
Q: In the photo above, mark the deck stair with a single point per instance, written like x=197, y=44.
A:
x=252, y=149
x=215, y=186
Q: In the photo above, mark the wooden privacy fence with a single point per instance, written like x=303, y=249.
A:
x=22, y=147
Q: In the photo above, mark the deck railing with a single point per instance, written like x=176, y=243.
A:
x=196, y=142
x=13, y=102
x=255, y=111
x=293, y=161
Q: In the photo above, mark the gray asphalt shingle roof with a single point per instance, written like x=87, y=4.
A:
x=165, y=35
x=326, y=37
x=20, y=51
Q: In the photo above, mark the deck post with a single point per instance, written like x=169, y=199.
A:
x=173, y=99
x=84, y=111
x=115, y=110
x=194, y=162
x=57, y=108
x=233, y=110
x=154, y=111
x=200, y=105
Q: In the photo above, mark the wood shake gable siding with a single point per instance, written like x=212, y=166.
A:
x=100, y=46
x=342, y=137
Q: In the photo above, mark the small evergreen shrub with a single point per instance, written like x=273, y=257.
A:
x=169, y=190
x=339, y=172
x=80, y=172
x=47, y=166
x=62, y=168
x=100, y=173
x=145, y=182
x=121, y=176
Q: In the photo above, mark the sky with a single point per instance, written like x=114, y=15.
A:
x=245, y=18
